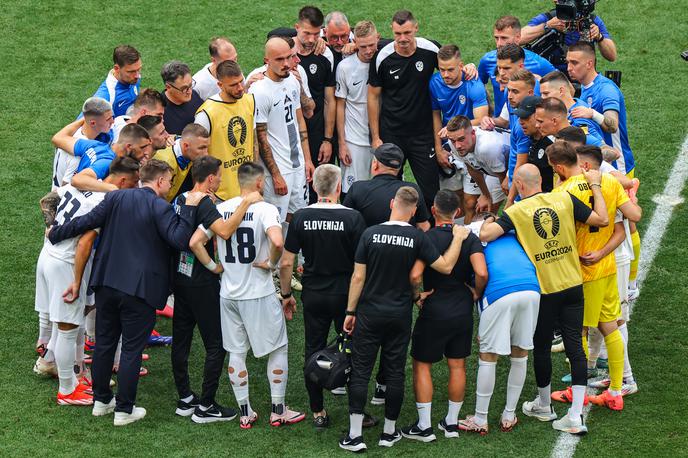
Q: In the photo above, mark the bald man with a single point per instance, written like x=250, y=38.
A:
x=220, y=49
x=545, y=225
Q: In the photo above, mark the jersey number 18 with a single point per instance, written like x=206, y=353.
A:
x=246, y=250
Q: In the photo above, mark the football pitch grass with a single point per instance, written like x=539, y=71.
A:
x=54, y=56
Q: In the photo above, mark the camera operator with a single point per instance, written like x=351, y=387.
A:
x=545, y=22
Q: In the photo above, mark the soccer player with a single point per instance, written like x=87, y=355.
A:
x=95, y=157
x=148, y=102
x=483, y=152
x=551, y=116
x=444, y=327
x=325, y=226
x=355, y=153
x=251, y=315
x=321, y=82
x=538, y=142
x=156, y=131
x=180, y=99
x=98, y=121
x=507, y=29
x=229, y=117
x=508, y=317
x=543, y=220
x=602, y=307
x=192, y=144
x=121, y=86
x=60, y=290
x=399, y=108
x=206, y=79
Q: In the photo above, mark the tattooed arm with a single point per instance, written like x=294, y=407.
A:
x=266, y=155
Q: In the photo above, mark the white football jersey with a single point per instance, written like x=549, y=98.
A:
x=73, y=203
x=490, y=152
x=352, y=85
x=249, y=244
x=276, y=105
x=65, y=165
x=206, y=83
x=302, y=74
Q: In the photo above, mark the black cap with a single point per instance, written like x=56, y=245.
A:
x=527, y=106
x=390, y=155
x=282, y=32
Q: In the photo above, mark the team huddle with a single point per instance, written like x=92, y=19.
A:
x=215, y=199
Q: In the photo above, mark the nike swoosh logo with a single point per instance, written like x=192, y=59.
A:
x=358, y=82
x=277, y=103
x=392, y=72
x=213, y=414
x=432, y=155
x=121, y=103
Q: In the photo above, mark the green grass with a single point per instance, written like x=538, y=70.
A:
x=54, y=56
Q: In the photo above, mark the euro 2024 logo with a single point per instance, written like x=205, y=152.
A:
x=236, y=133
x=546, y=224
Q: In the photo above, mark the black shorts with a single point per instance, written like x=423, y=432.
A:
x=434, y=339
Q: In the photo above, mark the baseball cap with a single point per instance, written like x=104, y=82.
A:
x=527, y=106
x=390, y=155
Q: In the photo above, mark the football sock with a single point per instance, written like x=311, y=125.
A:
x=628, y=371
x=424, y=414
x=189, y=398
x=484, y=387
x=453, y=410
x=277, y=375
x=45, y=329
x=355, y=425
x=594, y=345
x=390, y=426
x=64, y=359
x=90, y=323
x=238, y=378
x=615, y=348
x=576, y=409
x=585, y=345
x=514, y=386
x=545, y=394
x=635, y=240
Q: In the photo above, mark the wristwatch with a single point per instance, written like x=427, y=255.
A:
x=327, y=139
x=285, y=296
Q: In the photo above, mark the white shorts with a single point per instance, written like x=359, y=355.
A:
x=295, y=198
x=361, y=158
x=256, y=324
x=623, y=274
x=508, y=321
x=493, y=185
x=53, y=276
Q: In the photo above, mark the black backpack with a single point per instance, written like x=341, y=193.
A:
x=329, y=368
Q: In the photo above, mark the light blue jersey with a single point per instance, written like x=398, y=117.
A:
x=94, y=155
x=457, y=100
x=602, y=95
x=508, y=268
x=593, y=132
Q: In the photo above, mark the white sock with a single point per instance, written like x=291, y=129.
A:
x=90, y=323
x=45, y=328
x=576, y=409
x=595, y=341
x=453, y=410
x=50, y=354
x=514, y=386
x=278, y=369
x=390, y=426
x=238, y=378
x=628, y=371
x=603, y=350
x=633, y=284
x=544, y=394
x=189, y=398
x=355, y=425
x=64, y=359
x=424, y=414
x=484, y=388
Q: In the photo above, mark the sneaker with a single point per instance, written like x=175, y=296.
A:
x=602, y=363
x=592, y=373
x=508, y=425
x=75, y=398
x=450, y=431
x=247, y=421
x=606, y=399
x=629, y=388
x=184, y=409
x=167, y=312
x=369, y=421
x=295, y=283
x=415, y=433
x=387, y=440
x=567, y=396
x=287, y=417
x=468, y=424
x=45, y=368
x=213, y=413
x=558, y=348
x=155, y=339
x=100, y=408
x=567, y=425
x=341, y=391
x=123, y=418
x=601, y=383
x=321, y=422
x=535, y=410
x=355, y=445
x=557, y=338
x=633, y=294
x=378, y=398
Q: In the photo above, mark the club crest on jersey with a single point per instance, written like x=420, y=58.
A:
x=462, y=99
x=541, y=152
x=590, y=101
x=546, y=223
x=312, y=68
x=419, y=66
x=236, y=131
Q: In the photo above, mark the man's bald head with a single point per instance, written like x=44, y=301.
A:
x=275, y=46
x=527, y=180
x=278, y=57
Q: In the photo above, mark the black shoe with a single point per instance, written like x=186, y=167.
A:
x=387, y=440
x=369, y=421
x=213, y=413
x=353, y=445
x=415, y=433
x=379, y=397
x=449, y=430
x=184, y=409
x=321, y=422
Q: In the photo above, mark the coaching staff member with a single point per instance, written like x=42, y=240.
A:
x=131, y=277
x=327, y=233
x=372, y=197
x=545, y=224
x=379, y=310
